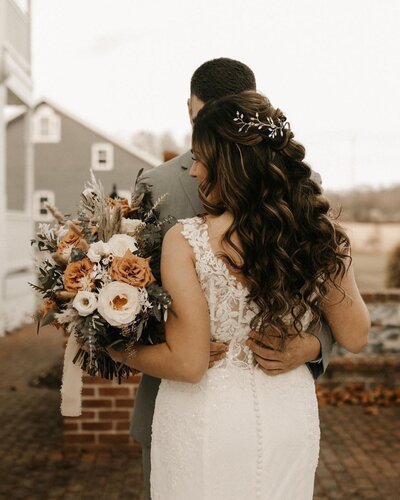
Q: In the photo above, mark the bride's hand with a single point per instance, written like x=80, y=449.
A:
x=298, y=351
x=120, y=357
x=114, y=354
x=217, y=352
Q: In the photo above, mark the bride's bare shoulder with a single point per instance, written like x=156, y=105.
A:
x=174, y=239
x=174, y=231
x=176, y=249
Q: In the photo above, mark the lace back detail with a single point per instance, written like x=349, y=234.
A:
x=195, y=232
x=230, y=314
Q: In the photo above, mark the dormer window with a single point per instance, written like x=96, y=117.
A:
x=102, y=156
x=46, y=125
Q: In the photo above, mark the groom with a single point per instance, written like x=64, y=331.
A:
x=214, y=79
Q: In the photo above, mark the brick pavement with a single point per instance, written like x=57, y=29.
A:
x=360, y=452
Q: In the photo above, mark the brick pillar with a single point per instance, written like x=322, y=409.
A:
x=106, y=415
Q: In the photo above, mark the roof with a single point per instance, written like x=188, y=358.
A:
x=135, y=151
x=14, y=113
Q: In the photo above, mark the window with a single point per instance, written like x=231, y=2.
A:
x=40, y=199
x=46, y=125
x=102, y=156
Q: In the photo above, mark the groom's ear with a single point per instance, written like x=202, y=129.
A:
x=190, y=110
x=194, y=106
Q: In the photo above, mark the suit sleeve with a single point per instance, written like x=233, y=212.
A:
x=326, y=340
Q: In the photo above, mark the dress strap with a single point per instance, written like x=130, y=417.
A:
x=195, y=232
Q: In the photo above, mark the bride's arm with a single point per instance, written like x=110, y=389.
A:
x=185, y=354
x=347, y=316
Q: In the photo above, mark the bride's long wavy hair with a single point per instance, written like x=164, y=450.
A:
x=292, y=249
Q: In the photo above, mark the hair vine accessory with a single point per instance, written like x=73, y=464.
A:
x=273, y=128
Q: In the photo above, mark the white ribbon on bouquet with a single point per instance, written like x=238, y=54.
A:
x=71, y=389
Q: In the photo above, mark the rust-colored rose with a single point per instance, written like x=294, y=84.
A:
x=77, y=276
x=71, y=240
x=122, y=202
x=132, y=270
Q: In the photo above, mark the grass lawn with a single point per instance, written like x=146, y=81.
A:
x=370, y=271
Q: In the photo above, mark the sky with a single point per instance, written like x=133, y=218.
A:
x=332, y=66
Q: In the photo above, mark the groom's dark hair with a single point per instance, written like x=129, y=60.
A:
x=221, y=77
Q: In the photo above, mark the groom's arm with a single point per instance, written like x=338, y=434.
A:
x=325, y=337
x=326, y=340
x=311, y=349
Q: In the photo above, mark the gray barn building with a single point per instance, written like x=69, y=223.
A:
x=65, y=148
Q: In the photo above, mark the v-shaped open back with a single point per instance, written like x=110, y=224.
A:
x=222, y=263
x=230, y=312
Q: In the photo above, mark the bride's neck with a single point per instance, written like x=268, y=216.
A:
x=218, y=225
x=224, y=218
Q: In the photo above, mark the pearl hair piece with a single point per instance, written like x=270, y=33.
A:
x=272, y=127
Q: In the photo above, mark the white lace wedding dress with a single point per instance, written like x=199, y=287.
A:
x=238, y=434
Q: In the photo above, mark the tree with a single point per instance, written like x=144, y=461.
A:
x=393, y=268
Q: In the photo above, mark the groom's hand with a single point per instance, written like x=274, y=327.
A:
x=298, y=350
x=217, y=352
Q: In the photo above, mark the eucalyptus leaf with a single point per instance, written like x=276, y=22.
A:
x=139, y=330
x=77, y=254
x=48, y=318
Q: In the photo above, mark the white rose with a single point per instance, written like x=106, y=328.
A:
x=119, y=303
x=130, y=225
x=85, y=302
x=97, y=251
x=120, y=243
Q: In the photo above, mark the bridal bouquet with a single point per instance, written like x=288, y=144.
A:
x=98, y=276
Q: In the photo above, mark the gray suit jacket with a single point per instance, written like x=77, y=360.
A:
x=173, y=178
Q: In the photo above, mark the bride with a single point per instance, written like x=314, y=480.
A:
x=266, y=256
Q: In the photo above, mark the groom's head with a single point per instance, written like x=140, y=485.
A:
x=218, y=78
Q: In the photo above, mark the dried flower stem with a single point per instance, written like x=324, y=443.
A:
x=65, y=295
x=58, y=216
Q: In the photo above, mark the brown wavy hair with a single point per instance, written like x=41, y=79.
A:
x=291, y=247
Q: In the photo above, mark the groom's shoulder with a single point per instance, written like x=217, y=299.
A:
x=168, y=171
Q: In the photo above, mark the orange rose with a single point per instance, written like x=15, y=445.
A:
x=132, y=270
x=77, y=276
x=71, y=240
x=122, y=202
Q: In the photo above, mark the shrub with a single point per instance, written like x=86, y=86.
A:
x=393, y=268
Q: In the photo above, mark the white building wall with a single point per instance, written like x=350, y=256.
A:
x=3, y=205
x=17, y=301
